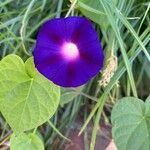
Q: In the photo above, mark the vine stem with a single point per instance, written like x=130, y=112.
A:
x=71, y=8
x=3, y=141
x=23, y=27
x=57, y=131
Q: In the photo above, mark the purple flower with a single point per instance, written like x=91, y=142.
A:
x=68, y=51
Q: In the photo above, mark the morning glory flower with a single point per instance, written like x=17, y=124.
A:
x=68, y=51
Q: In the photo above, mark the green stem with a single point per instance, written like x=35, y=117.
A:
x=57, y=131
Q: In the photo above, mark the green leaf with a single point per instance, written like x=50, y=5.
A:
x=147, y=102
x=31, y=101
x=12, y=72
x=26, y=142
x=29, y=67
x=131, y=118
x=11, y=61
x=94, y=11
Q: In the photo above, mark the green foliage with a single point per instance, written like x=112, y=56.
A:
x=129, y=52
x=94, y=10
x=30, y=99
x=12, y=72
x=123, y=28
x=26, y=142
x=131, y=124
x=67, y=95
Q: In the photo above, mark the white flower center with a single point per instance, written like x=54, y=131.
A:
x=70, y=51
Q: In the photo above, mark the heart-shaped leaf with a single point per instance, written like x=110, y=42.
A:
x=12, y=72
x=26, y=142
x=31, y=101
x=131, y=124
